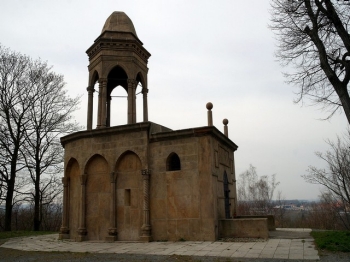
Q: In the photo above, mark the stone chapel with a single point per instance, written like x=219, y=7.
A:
x=141, y=181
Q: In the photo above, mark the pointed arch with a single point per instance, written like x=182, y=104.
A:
x=71, y=167
x=129, y=154
x=94, y=78
x=140, y=79
x=117, y=76
x=173, y=162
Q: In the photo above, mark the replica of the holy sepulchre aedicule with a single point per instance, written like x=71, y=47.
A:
x=143, y=181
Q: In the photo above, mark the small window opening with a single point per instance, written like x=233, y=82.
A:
x=127, y=196
x=173, y=162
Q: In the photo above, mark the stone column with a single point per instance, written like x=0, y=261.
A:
x=104, y=102
x=225, y=122
x=99, y=107
x=210, y=115
x=108, y=120
x=91, y=91
x=82, y=223
x=112, y=231
x=146, y=227
x=64, y=230
x=145, y=105
x=131, y=102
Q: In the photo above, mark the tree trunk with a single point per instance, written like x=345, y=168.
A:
x=345, y=101
x=8, y=207
x=37, y=220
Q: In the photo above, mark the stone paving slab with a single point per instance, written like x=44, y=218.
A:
x=272, y=248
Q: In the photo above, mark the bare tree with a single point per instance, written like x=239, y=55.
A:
x=49, y=118
x=279, y=210
x=15, y=98
x=43, y=200
x=313, y=35
x=34, y=111
x=336, y=178
x=255, y=193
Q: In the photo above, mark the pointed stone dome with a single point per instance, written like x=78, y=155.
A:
x=119, y=22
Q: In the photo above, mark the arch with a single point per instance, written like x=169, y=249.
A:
x=120, y=157
x=129, y=196
x=72, y=172
x=173, y=162
x=98, y=197
x=71, y=165
x=90, y=159
x=140, y=79
x=117, y=76
x=94, y=78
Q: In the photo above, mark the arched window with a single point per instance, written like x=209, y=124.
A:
x=173, y=162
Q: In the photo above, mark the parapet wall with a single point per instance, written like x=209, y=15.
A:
x=243, y=228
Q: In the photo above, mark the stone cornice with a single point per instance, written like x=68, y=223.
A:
x=144, y=126
x=118, y=45
x=162, y=135
x=194, y=132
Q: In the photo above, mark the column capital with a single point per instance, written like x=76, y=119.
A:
x=83, y=179
x=102, y=80
x=90, y=89
x=113, y=177
x=145, y=90
x=65, y=181
x=145, y=172
x=131, y=82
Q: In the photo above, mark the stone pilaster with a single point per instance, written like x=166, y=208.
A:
x=82, y=223
x=91, y=91
x=112, y=231
x=64, y=230
x=146, y=227
x=145, y=104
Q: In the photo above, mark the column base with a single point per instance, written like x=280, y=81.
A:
x=146, y=238
x=111, y=238
x=80, y=238
x=63, y=236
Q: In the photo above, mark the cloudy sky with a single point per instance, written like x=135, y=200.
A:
x=219, y=51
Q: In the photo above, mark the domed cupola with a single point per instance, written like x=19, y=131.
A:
x=117, y=58
x=119, y=22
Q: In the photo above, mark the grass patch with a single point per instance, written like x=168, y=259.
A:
x=10, y=234
x=332, y=240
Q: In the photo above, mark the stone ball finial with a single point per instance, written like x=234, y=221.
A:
x=225, y=122
x=209, y=106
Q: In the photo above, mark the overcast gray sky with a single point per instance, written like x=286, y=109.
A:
x=219, y=51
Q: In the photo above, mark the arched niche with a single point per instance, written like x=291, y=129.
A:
x=129, y=196
x=72, y=172
x=97, y=197
x=173, y=162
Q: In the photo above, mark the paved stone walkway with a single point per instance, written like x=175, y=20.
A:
x=272, y=248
